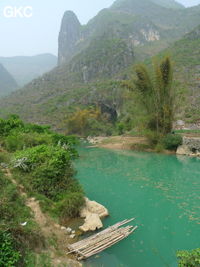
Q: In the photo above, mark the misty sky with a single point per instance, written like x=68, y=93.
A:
x=39, y=34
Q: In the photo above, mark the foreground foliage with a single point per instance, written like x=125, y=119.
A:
x=172, y=141
x=41, y=161
x=189, y=258
x=157, y=95
x=15, y=240
x=8, y=255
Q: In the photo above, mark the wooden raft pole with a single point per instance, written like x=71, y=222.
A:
x=98, y=242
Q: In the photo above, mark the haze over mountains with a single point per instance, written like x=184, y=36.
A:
x=7, y=82
x=25, y=69
x=92, y=56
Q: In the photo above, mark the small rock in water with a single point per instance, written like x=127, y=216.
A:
x=73, y=232
x=72, y=236
x=63, y=228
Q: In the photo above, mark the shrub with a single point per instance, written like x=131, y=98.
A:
x=6, y=126
x=15, y=239
x=50, y=169
x=159, y=148
x=71, y=205
x=189, y=258
x=120, y=128
x=172, y=141
x=13, y=143
x=9, y=256
x=50, y=173
x=153, y=137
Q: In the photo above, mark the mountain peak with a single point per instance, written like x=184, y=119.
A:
x=68, y=36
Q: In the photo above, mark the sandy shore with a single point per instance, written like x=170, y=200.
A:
x=119, y=142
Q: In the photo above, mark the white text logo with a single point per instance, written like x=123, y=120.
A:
x=18, y=12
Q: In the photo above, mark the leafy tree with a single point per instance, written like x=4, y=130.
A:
x=80, y=121
x=157, y=95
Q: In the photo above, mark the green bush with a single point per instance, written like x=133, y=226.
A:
x=15, y=239
x=50, y=167
x=50, y=173
x=12, y=207
x=153, y=137
x=189, y=258
x=70, y=206
x=159, y=148
x=13, y=143
x=13, y=122
x=120, y=128
x=172, y=141
x=4, y=157
x=9, y=256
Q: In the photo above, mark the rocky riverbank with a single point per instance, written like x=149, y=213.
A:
x=190, y=147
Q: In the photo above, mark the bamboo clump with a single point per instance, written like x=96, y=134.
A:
x=98, y=242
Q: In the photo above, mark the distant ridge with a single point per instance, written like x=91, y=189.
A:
x=7, y=82
x=26, y=68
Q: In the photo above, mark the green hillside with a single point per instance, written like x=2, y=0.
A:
x=7, y=82
x=139, y=23
x=92, y=77
x=186, y=57
x=55, y=96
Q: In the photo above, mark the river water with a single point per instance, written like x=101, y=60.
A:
x=161, y=191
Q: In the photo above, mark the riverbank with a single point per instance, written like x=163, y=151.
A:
x=135, y=143
x=119, y=142
x=190, y=146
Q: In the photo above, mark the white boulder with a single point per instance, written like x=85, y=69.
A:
x=92, y=223
x=183, y=150
x=93, y=207
x=92, y=212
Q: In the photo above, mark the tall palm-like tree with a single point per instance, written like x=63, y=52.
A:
x=157, y=95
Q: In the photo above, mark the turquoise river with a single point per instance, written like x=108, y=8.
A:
x=161, y=191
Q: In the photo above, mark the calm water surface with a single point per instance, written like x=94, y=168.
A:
x=162, y=192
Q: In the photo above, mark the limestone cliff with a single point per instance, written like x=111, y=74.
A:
x=68, y=37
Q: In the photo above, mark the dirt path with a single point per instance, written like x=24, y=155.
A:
x=51, y=231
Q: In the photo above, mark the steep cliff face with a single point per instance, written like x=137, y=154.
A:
x=102, y=59
x=7, y=82
x=70, y=34
x=139, y=22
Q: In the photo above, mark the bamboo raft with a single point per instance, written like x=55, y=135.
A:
x=98, y=242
